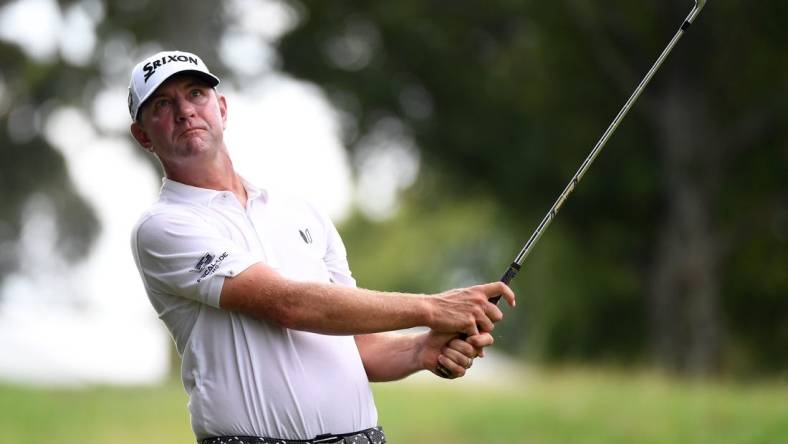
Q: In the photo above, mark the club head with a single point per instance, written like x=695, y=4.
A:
x=699, y=4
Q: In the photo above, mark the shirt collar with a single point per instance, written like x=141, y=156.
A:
x=180, y=192
x=253, y=191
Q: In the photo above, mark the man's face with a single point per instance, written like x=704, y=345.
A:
x=184, y=119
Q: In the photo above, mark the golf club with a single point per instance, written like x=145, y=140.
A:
x=515, y=266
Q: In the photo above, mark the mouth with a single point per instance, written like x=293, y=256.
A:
x=190, y=132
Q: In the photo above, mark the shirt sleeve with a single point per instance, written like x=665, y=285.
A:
x=181, y=254
x=336, y=256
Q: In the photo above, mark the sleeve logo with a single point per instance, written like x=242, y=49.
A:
x=200, y=266
x=206, y=270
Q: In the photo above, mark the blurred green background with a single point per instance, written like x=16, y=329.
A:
x=668, y=264
x=546, y=407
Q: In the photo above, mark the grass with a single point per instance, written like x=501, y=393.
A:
x=587, y=407
x=576, y=406
x=95, y=415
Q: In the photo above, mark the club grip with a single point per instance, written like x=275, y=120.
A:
x=507, y=277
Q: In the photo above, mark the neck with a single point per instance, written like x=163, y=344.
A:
x=214, y=174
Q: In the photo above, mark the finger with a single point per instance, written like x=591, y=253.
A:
x=466, y=348
x=493, y=312
x=507, y=294
x=456, y=370
x=473, y=329
x=458, y=356
x=484, y=324
x=480, y=341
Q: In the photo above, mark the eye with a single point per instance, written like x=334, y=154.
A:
x=161, y=103
x=196, y=93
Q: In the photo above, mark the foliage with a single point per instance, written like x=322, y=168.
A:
x=32, y=88
x=29, y=166
x=436, y=244
x=677, y=234
x=673, y=248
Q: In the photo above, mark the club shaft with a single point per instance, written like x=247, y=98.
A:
x=514, y=267
x=542, y=227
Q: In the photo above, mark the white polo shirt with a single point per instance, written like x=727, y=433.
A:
x=245, y=376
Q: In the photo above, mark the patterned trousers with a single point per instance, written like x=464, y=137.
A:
x=369, y=436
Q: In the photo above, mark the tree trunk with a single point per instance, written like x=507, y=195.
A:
x=684, y=295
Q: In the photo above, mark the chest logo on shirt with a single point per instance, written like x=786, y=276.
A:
x=306, y=235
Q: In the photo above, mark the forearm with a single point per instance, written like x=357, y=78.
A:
x=341, y=310
x=261, y=292
x=324, y=308
x=390, y=356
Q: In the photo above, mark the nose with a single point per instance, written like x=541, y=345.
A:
x=183, y=109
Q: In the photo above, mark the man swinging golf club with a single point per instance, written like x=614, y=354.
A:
x=277, y=343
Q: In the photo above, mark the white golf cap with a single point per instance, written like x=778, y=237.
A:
x=153, y=71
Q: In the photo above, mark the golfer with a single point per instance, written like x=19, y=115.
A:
x=277, y=343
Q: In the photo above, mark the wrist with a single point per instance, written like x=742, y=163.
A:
x=421, y=356
x=427, y=310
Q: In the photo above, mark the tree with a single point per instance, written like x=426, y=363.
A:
x=505, y=98
x=33, y=88
x=29, y=166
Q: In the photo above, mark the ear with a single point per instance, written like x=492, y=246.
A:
x=223, y=110
x=141, y=137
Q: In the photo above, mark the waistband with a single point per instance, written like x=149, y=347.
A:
x=373, y=435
